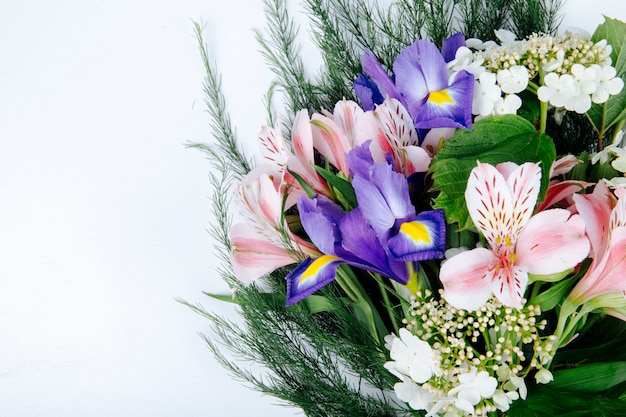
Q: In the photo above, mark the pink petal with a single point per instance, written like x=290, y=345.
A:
x=605, y=275
x=559, y=191
x=464, y=278
x=509, y=284
x=595, y=209
x=302, y=138
x=552, y=242
x=416, y=160
x=255, y=257
x=330, y=141
x=490, y=204
x=347, y=115
x=273, y=148
x=563, y=165
x=524, y=183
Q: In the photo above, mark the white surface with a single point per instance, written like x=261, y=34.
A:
x=103, y=211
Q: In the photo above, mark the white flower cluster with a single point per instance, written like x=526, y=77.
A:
x=567, y=72
x=442, y=371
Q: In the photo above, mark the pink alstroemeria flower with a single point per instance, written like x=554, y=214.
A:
x=501, y=201
x=393, y=134
x=263, y=243
x=605, y=221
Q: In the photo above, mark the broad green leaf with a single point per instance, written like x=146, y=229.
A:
x=491, y=140
x=591, y=378
x=542, y=401
x=614, y=31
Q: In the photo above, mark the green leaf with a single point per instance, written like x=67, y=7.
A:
x=310, y=192
x=543, y=401
x=492, y=140
x=592, y=378
x=614, y=31
x=319, y=304
x=340, y=187
x=550, y=298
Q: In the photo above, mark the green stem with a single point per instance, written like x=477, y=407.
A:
x=543, y=107
x=387, y=303
x=601, y=130
x=349, y=283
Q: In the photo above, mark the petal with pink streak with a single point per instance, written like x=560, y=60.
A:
x=330, y=141
x=524, y=183
x=302, y=138
x=464, y=278
x=417, y=160
x=605, y=275
x=552, y=242
x=490, y=204
x=562, y=190
x=509, y=285
x=255, y=257
x=347, y=114
x=595, y=209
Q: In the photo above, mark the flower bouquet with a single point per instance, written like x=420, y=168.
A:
x=438, y=223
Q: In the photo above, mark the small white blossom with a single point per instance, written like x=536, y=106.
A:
x=486, y=94
x=505, y=36
x=607, y=84
x=473, y=387
x=412, y=357
x=507, y=105
x=557, y=89
x=613, y=149
x=514, y=79
x=502, y=400
x=543, y=376
x=410, y=392
x=464, y=59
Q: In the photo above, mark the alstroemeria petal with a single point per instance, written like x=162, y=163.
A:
x=560, y=191
x=595, y=209
x=450, y=106
x=421, y=239
x=509, y=284
x=330, y=141
x=464, y=278
x=253, y=256
x=310, y=276
x=605, y=275
x=552, y=242
x=490, y=204
x=524, y=181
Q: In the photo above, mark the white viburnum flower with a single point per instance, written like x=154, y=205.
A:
x=557, y=89
x=473, y=387
x=607, y=84
x=513, y=80
x=412, y=357
x=464, y=59
x=486, y=94
x=507, y=105
x=505, y=36
x=410, y=392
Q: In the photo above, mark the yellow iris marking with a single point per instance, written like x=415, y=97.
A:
x=440, y=97
x=316, y=266
x=416, y=231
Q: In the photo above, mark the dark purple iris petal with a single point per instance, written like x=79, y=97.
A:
x=368, y=93
x=450, y=46
x=320, y=218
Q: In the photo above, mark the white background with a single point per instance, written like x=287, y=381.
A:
x=103, y=211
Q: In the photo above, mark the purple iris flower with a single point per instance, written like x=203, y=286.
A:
x=421, y=83
x=381, y=235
